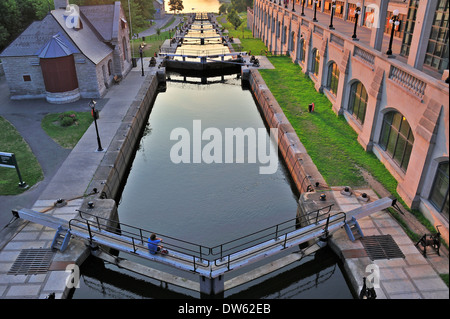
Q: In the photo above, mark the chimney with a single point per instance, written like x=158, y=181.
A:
x=61, y=4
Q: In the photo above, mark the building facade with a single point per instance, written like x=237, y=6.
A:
x=398, y=104
x=74, y=52
x=160, y=11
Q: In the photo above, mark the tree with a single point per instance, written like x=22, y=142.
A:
x=16, y=16
x=176, y=5
x=234, y=19
x=223, y=8
x=239, y=5
x=180, y=5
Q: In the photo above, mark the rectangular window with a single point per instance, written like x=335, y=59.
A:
x=437, y=49
x=409, y=27
x=439, y=191
x=27, y=78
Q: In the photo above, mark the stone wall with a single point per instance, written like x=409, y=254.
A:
x=15, y=69
x=303, y=171
x=114, y=167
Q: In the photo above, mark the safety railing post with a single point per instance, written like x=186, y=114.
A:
x=89, y=231
x=132, y=240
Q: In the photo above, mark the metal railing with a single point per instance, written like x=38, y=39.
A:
x=276, y=237
x=279, y=235
x=137, y=237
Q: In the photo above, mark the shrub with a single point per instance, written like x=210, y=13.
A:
x=67, y=119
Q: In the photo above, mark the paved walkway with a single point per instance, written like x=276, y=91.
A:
x=412, y=277
x=69, y=181
x=160, y=23
x=26, y=117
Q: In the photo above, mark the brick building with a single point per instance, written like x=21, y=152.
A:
x=398, y=104
x=74, y=52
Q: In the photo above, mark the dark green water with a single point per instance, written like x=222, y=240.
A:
x=208, y=204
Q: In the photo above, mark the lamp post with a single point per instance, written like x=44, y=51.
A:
x=333, y=6
x=315, y=10
x=303, y=7
x=394, y=22
x=95, y=116
x=357, y=12
x=293, y=2
x=142, y=61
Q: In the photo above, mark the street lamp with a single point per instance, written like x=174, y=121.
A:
x=303, y=7
x=95, y=116
x=142, y=62
x=315, y=10
x=357, y=12
x=333, y=6
x=394, y=21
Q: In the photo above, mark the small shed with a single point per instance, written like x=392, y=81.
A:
x=58, y=69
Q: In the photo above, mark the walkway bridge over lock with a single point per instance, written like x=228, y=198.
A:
x=309, y=232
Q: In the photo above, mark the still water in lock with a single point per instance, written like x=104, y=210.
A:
x=208, y=203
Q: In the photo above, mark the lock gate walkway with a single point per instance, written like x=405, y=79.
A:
x=210, y=263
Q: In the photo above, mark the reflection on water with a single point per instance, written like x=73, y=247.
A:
x=197, y=6
x=207, y=204
x=314, y=277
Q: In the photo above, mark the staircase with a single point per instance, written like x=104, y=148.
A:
x=61, y=239
x=353, y=230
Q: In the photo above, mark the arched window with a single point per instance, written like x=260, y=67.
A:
x=397, y=138
x=302, y=50
x=315, y=62
x=333, y=78
x=292, y=41
x=358, y=101
x=439, y=191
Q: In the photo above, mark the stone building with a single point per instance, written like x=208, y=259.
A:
x=397, y=104
x=74, y=52
x=160, y=11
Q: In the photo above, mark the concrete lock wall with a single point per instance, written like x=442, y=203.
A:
x=114, y=166
x=303, y=171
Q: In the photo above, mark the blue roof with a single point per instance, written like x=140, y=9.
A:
x=58, y=46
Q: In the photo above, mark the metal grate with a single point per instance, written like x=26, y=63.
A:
x=32, y=261
x=381, y=247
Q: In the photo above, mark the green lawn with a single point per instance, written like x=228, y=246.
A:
x=152, y=43
x=329, y=140
x=66, y=136
x=30, y=170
